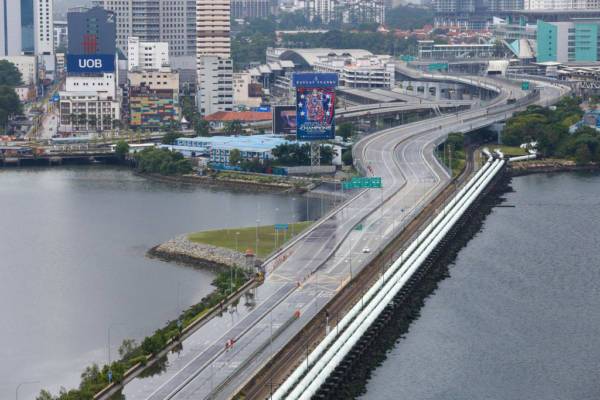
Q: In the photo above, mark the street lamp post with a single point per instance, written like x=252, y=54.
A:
x=23, y=384
x=237, y=236
x=293, y=214
x=307, y=212
x=256, y=239
x=108, y=343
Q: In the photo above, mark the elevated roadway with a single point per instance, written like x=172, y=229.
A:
x=306, y=274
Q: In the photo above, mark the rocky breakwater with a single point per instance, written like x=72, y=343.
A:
x=550, y=165
x=182, y=250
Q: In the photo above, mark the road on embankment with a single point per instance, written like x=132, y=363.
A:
x=307, y=274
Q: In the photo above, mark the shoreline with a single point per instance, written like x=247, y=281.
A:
x=406, y=309
x=183, y=251
x=231, y=184
x=521, y=168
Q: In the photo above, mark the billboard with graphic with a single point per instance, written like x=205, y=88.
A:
x=90, y=63
x=315, y=105
x=284, y=120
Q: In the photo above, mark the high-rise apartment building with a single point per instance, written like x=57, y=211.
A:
x=26, y=28
x=171, y=21
x=213, y=56
x=23, y=26
x=11, y=27
x=320, y=9
x=44, y=34
x=250, y=9
x=471, y=14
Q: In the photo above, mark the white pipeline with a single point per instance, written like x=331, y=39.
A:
x=309, y=387
x=315, y=355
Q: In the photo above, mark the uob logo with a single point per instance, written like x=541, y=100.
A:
x=90, y=63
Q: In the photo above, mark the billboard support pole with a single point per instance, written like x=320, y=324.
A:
x=315, y=154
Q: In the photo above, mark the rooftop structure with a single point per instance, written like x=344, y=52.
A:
x=219, y=147
x=303, y=58
x=428, y=50
x=363, y=72
x=245, y=117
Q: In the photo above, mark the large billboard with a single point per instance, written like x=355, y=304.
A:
x=315, y=105
x=284, y=120
x=90, y=63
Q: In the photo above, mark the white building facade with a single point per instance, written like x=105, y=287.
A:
x=146, y=55
x=27, y=66
x=213, y=56
x=44, y=35
x=369, y=72
x=89, y=103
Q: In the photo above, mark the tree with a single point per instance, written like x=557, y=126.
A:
x=235, y=156
x=128, y=349
x=170, y=137
x=583, y=154
x=408, y=17
x=122, y=149
x=233, y=127
x=345, y=130
x=44, y=395
x=347, y=157
x=9, y=74
x=9, y=104
x=201, y=126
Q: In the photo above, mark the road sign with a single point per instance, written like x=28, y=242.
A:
x=359, y=227
x=363, y=183
x=525, y=85
x=437, y=67
x=347, y=185
x=281, y=227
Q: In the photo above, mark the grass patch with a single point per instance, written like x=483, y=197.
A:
x=511, y=151
x=268, y=239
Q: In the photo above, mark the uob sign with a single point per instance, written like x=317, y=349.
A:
x=90, y=64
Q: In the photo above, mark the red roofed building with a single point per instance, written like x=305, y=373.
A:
x=218, y=119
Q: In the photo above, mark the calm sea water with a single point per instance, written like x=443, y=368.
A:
x=519, y=317
x=72, y=264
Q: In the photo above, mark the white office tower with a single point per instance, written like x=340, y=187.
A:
x=44, y=35
x=10, y=24
x=213, y=56
x=146, y=55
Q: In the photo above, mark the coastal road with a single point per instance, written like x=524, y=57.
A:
x=312, y=270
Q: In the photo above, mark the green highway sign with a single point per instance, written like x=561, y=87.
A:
x=363, y=183
x=407, y=58
x=525, y=85
x=358, y=227
x=437, y=66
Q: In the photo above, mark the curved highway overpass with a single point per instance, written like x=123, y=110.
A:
x=308, y=272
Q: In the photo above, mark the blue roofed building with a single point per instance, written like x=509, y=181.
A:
x=218, y=148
